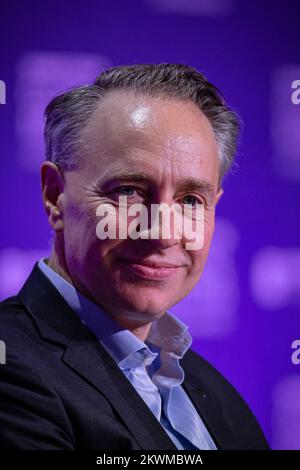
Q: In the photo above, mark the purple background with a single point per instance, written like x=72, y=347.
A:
x=244, y=314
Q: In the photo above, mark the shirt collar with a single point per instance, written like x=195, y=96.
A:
x=167, y=333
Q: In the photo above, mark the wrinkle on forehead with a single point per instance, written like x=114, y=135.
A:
x=147, y=140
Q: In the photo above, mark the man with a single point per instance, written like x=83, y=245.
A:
x=94, y=360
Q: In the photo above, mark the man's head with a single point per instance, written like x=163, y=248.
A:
x=156, y=134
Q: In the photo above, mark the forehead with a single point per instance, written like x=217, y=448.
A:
x=137, y=129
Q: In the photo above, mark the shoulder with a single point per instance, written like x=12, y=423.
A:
x=224, y=399
x=23, y=341
x=16, y=325
x=199, y=369
x=203, y=375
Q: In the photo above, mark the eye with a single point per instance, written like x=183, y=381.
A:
x=191, y=200
x=126, y=190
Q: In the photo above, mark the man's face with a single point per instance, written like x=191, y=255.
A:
x=166, y=143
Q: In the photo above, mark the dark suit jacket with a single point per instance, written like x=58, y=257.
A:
x=60, y=389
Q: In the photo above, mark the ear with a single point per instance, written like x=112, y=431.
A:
x=52, y=181
x=219, y=194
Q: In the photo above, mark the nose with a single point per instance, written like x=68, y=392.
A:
x=164, y=226
x=162, y=242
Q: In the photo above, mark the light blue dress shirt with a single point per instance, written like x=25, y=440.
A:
x=152, y=366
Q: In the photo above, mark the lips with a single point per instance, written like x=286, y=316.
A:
x=150, y=269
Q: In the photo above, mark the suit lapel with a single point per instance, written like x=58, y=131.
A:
x=207, y=406
x=95, y=365
x=88, y=358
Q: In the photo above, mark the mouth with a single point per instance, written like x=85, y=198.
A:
x=149, y=270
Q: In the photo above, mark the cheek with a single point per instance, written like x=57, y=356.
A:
x=199, y=257
x=209, y=226
x=198, y=262
x=79, y=229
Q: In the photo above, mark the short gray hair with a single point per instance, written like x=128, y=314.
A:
x=68, y=114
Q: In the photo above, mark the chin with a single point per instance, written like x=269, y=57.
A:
x=147, y=305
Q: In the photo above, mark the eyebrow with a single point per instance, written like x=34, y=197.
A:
x=193, y=184
x=187, y=184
